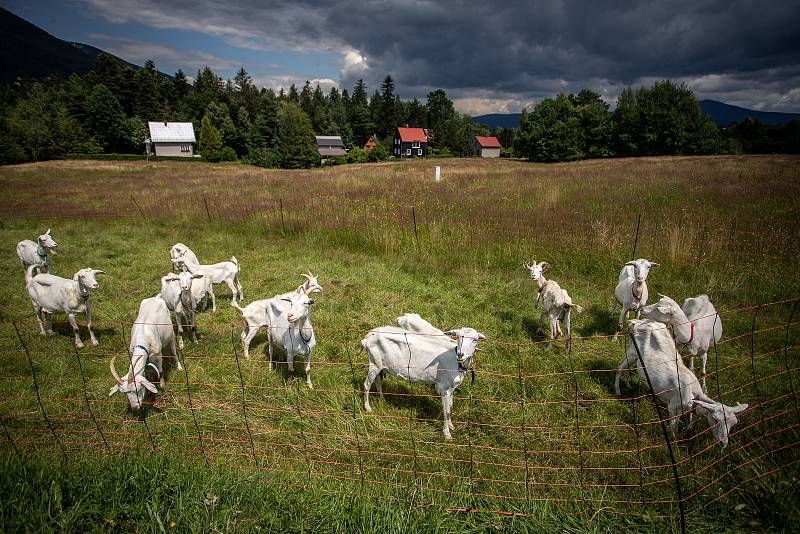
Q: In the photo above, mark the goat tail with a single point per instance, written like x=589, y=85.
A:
x=29, y=272
x=234, y=261
x=235, y=305
x=577, y=307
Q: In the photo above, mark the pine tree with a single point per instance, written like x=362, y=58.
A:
x=210, y=141
x=295, y=145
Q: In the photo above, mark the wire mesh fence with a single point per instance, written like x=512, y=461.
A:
x=524, y=434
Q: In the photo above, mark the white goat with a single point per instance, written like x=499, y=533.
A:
x=37, y=253
x=421, y=359
x=178, y=251
x=631, y=291
x=556, y=302
x=696, y=332
x=150, y=334
x=52, y=294
x=176, y=290
x=672, y=381
x=412, y=322
x=257, y=313
x=223, y=272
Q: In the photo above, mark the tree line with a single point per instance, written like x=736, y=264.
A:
x=107, y=110
x=664, y=119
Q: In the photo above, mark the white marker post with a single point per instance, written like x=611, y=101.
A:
x=438, y=173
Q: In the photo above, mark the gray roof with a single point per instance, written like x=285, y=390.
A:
x=329, y=141
x=171, y=132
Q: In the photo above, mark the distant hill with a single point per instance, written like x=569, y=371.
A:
x=722, y=114
x=503, y=120
x=28, y=51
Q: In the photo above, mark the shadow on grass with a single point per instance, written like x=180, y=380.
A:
x=601, y=321
x=402, y=395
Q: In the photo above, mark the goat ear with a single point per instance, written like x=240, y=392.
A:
x=98, y=271
x=114, y=390
x=631, y=263
x=738, y=408
x=451, y=333
x=47, y=232
x=545, y=266
x=149, y=386
x=198, y=275
x=526, y=267
x=481, y=337
x=653, y=265
x=286, y=299
x=707, y=405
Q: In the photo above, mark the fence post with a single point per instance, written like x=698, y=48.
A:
x=581, y=475
x=666, y=435
x=414, y=217
x=39, y=398
x=786, y=361
x=208, y=213
x=86, y=398
x=411, y=417
x=191, y=408
x=8, y=435
x=244, y=405
x=283, y=226
x=355, y=419
x=523, y=395
x=302, y=432
x=138, y=207
x=753, y=369
x=636, y=237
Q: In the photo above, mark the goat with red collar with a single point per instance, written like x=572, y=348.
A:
x=695, y=325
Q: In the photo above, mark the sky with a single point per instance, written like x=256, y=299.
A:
x=490, y=57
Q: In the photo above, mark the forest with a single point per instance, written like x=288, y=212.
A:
x=106, y=112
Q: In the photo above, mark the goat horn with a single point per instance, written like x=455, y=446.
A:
x=114, y=371
x=308, y=277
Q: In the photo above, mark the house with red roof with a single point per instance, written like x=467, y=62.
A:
x=409, y=143
x=487, y=147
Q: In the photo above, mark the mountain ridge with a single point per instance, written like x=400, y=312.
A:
x=721, y=113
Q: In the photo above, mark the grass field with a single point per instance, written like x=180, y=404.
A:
x=229, y=445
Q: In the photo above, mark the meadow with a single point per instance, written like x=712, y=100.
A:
x=541, y=441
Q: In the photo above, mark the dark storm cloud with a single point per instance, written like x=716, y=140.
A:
x=517, y=50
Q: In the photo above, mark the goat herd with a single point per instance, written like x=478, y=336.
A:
x=413, y=350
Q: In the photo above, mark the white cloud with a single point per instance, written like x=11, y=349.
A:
x=138, y=52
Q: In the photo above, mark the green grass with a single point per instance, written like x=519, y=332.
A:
x=520, y=445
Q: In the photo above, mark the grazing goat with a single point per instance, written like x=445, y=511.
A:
x=257, y=313
x=150, y=334
x=52, y=294
x=421, y=359
x=178, y=251
x=176, y=290
x=631, y=290
x=695, y=325
x=223, y=272
x=671, y=380
x=556, y=302
x=31, y=253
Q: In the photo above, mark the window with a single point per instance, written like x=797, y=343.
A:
x=185, y=148
x=415, y=144
x=397, y=140
x=408, y=152
x=419, y=152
